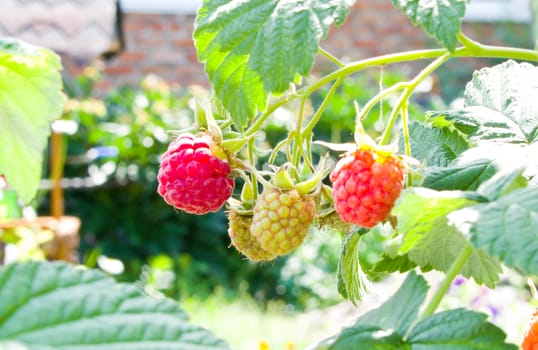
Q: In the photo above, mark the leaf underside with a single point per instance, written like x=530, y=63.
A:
x=431, y=240
x=30, y=99
x=507, y=228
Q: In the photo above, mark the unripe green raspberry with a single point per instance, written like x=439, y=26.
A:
x=282, y=219
x=242, y=239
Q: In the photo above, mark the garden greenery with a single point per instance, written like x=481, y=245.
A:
x=470, y=205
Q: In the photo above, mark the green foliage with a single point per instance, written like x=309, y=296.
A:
x=440, y=19
x=259, y=47
x=506, y=228
x=30, y=98
x=457, y=329
x=396, y=325
x=430, y=240
x=505, y=89
x=434, y=146
x=351, y=279
x=478, y=166
x=78, y=309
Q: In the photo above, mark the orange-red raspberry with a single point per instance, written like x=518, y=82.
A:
x=530, y=341
x=191, y=178
x=365, y=187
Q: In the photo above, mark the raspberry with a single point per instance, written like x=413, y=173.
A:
x=530, y=341
x=365, y=187
x=281, y=219
x=243, y=241
x=192, y=178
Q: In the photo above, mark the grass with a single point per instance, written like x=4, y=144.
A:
x=245, y=326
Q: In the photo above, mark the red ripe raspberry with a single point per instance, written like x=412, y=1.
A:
x=192, y=178
x=365, y=187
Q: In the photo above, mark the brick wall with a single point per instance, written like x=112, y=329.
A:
x=162, y=44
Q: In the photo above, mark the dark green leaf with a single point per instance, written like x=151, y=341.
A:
x=383, y=328
x=368, y=338
x=434, y=146
x=401, y=309
x=503, y=162
x=506, y=228
x=30, y=98
x=389, y=264
x=511, y=90
x=59, y=306
x=457, y=329
x=441, y=19
x=430, y=240
x=252, y=48
x=351, y=279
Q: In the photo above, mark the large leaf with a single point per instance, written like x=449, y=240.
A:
x=58, y=306
x=434, y=146
x=255, y=47
x=500, y=163
x=441, y=19
x=384, y=327
x=352, y=283
x=430, y=240
x=395, y=325
x=401, y=309
x=501, y=105
x=457, y=329
x=506, y=228
x=30, y=98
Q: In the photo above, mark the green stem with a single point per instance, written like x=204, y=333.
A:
x=475, y=50
x=381, y=95
x=315, y=118
x=408, y=91
x=405, y=122
x=331, y=58
x=451, y=274
x=298, y=140
x=251, y=160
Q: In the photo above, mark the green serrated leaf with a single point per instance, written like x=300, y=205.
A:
x=30, y=98
x=59, y=306
x=430, y=240
x=478, y=165
x=434, y=146
x=482, y=124
x=457, y=329
x=383, y=328
x=506, y=228
x=368, y=338
x=401, y=309
x=507, y=93
x=352, y=283
x=441, y=19
x=253, y=48
x=389, y=264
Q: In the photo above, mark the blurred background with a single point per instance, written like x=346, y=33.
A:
x=129, y=69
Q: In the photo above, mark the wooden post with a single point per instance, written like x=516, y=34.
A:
x=56, y=171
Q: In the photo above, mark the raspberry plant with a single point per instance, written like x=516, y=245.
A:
x=464, y=180
x=468, y=204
